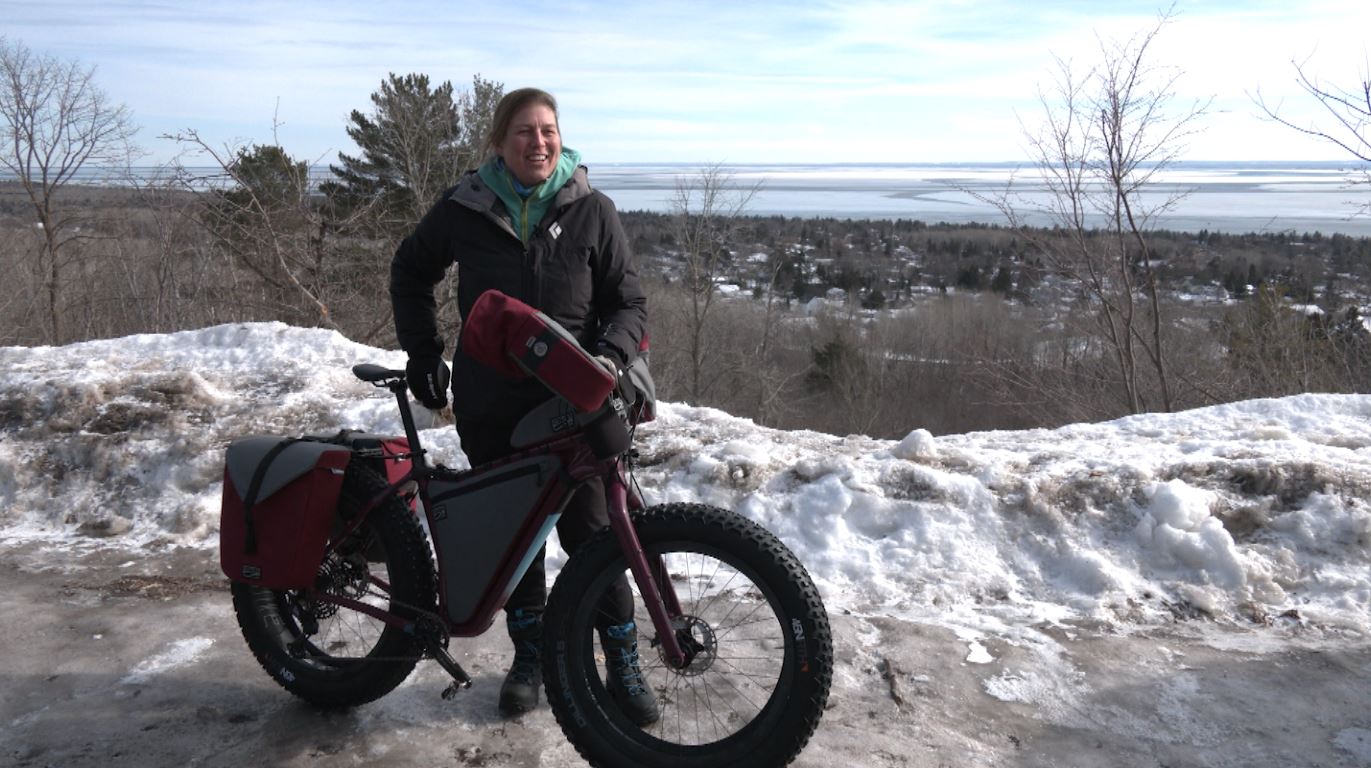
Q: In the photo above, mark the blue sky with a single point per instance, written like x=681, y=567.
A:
x=738, y=81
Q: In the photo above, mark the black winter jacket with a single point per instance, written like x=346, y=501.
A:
x=577, y=268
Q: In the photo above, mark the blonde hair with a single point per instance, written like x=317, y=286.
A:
x=509, y=106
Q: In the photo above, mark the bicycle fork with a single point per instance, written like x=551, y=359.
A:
x=656, y=589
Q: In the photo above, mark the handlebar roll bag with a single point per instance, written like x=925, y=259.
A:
x=517, y=340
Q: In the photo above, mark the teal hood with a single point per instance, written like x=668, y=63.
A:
x=526, y=211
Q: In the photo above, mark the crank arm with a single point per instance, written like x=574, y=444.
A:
x=460, y=679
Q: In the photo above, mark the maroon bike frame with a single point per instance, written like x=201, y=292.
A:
x=581, y=466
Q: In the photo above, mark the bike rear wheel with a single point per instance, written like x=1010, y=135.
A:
x=334, y=656
x=759, y=678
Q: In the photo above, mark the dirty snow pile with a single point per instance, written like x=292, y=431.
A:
x=1250, y=512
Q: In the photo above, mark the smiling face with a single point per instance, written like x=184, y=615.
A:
x=532, y=145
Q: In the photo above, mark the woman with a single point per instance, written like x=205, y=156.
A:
x=528, y=224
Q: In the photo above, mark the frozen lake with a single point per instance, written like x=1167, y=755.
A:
x=1225, y=197
x=1220, y=196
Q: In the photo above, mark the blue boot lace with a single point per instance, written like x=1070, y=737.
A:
x=623, y=659
x=525, y=631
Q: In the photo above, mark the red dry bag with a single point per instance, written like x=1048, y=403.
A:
x=515, y=339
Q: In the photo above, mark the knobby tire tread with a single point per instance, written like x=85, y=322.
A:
x=594, y=737
x=410, y=567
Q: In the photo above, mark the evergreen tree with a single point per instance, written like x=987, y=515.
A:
x=269, y=222
x=1003, y=282
x=414, y=144
x=268, y=183
x=266, y=174
x=970, y=278
x=874, y=300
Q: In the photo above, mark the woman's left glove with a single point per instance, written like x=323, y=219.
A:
x=428, y=378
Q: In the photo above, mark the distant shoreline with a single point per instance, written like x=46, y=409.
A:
x=1261, y=197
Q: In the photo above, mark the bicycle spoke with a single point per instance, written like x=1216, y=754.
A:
x=750, y=614
x=763, y=683
x=739, y=626
x=719, y=593
x=731, y=708
x=343, y=629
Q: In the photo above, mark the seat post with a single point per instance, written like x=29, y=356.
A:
x=416, y=454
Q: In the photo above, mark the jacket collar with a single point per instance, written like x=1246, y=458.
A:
x=474, y=193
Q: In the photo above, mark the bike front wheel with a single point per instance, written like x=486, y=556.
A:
x=334, y=656
x=761, y=650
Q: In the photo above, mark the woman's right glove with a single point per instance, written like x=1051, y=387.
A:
x=428, y=378
x=616, y=369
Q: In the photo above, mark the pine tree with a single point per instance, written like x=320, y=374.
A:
x=415, y=143
x=1003, y=282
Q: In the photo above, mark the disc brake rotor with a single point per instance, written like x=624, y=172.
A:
x=701, y=645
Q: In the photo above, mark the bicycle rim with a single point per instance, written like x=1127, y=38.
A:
x=326, y=635
x=739, y=646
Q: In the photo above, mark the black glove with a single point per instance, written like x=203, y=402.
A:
x=428, y=378
x=612, y=360
x=605, y=349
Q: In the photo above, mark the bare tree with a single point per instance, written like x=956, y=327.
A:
x=262, y=211
x=1348, y=110
x=1108, y=135
x=16, y=306
x=54, y=121
x=851, y=373
x=766, y=376
x=172, y=273
x=706, y=211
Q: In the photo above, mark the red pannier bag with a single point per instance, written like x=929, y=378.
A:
x=388, y=455
x=515, y=339
x=392, y=449
x=279, y=503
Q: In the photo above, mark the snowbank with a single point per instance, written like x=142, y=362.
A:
x=1252, y=511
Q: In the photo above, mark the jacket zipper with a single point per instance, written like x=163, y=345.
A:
x=528, y=271
x=530, y=277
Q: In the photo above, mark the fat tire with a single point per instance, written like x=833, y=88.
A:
x=271, y=622
x=578, y=699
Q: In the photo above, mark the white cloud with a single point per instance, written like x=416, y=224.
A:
x=764, y=81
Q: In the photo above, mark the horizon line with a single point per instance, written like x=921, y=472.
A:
x=1349, y=163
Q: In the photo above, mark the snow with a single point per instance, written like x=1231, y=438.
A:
x=179, y=654
x=918, y=444
x=1239, y=512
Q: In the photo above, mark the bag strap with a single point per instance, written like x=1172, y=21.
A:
x=255, y=487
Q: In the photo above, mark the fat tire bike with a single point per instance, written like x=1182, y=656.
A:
x=734, y=639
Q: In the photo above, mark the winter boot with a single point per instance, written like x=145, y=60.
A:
x=519, y=693
x=625, y=680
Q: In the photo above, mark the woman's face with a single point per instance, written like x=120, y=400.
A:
x=532, y=145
